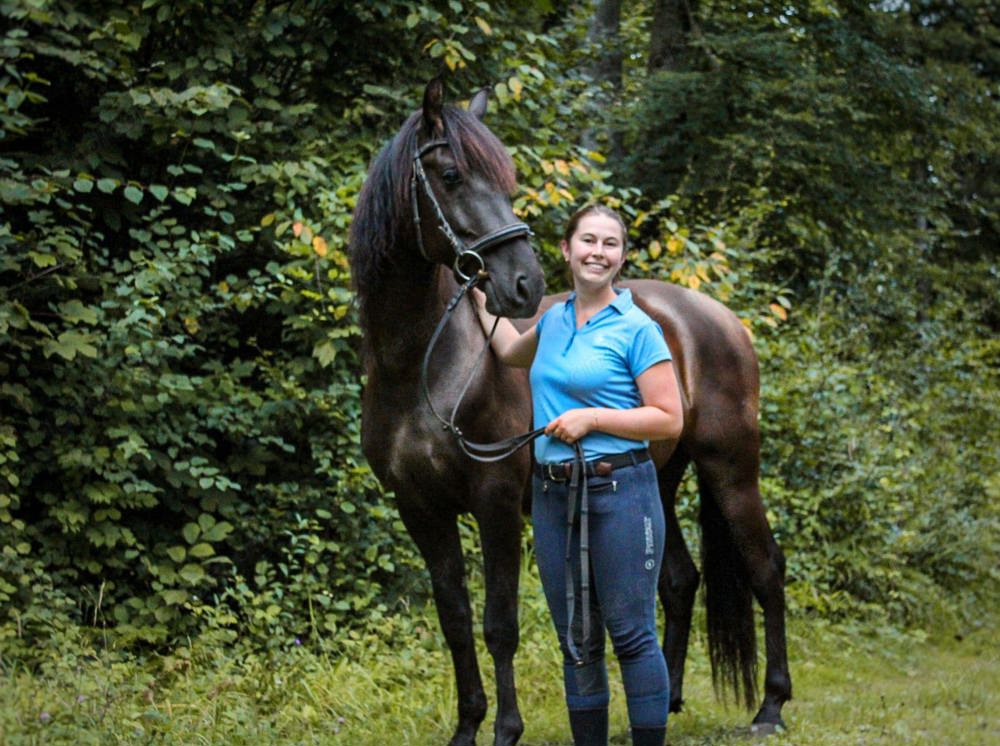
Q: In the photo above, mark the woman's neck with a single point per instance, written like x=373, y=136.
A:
x=589, y=301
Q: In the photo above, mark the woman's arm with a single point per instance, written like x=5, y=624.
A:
x=511, y=346
x=660, y=417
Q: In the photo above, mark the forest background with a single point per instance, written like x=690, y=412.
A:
x=179, y=371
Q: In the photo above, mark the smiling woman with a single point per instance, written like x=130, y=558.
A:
x=601, y=376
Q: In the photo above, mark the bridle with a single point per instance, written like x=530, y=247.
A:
x=497, y=451
x=463, y=253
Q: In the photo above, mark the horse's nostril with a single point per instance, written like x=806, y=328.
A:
x=523, y=287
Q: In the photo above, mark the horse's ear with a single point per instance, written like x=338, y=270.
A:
x=433, y=103
x=477, y=106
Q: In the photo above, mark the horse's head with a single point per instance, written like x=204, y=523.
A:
x=460, y=199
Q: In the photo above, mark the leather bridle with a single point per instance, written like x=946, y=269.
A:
x=463, y=253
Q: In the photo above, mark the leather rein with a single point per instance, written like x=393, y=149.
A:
x=499, y=450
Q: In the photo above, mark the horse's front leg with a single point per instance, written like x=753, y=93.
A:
x=500, y=534
x=438, y=541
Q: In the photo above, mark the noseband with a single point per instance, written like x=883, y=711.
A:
x=463, y=253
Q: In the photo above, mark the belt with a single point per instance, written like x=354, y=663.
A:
x=601, y=467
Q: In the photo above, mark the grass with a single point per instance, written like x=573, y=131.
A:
x=852, y=686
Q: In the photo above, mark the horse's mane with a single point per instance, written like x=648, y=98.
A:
x=383, y=218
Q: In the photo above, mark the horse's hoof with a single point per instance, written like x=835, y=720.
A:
x=762, y=730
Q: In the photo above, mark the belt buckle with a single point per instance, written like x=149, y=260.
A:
x=555, y=472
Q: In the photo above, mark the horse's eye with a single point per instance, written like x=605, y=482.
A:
x=451, y=177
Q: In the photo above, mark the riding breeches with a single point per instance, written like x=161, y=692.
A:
x=626, y=533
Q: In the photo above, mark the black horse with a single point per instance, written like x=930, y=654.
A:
x=437, y=203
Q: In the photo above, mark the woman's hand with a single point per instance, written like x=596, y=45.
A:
x=573, y=424
x=478, y=297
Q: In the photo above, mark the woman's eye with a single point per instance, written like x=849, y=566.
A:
x=451, y=176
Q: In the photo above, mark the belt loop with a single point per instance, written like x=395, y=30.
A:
x=635, y=460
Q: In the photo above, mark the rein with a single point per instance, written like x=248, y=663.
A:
x=501, y=449
x=489, y=452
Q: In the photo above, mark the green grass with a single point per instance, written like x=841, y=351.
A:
x=852, y=686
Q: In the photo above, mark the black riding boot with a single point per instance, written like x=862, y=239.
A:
x=649, y=736
x=590, y=727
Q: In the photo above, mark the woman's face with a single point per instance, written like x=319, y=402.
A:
x=595, y=252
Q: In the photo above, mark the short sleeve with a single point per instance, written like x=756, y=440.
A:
x=543, y=317
x=648, y=348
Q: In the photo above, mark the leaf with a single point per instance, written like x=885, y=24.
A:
x=192, y=573
x=325, y=352
x=202, y=550
x=75, y=312
x=185, y=196
x=106, y=185
x=267, y=220
x=779, y=311
x=674, y=245
x=319, y=246
x=159, y=191
x=297, y=228
x=484, y=26
x=43, y=260
x=219, y=531
x=69, y=345
x=83, y=185
x=515, y=88
x=177, y=554
x=655, y=250
x=191, y=532
x=201, y=142
x=133, y=194
x=175, y=597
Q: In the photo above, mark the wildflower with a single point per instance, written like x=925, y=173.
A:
x=44, y=717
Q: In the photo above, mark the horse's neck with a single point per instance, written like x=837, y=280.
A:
x=402, y=324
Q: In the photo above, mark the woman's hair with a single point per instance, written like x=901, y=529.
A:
x=595, y=209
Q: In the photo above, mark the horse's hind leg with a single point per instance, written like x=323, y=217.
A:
x=500, y=534
x=437, y=539
x=731, y=482
x=678, y=583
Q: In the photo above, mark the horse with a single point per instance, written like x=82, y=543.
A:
x=435, y=211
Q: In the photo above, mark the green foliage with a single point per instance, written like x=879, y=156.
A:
x=179, y=376
x=177, y=343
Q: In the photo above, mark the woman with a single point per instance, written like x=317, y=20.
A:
x=601, y=376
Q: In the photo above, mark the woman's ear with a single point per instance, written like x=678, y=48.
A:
x=564, y=247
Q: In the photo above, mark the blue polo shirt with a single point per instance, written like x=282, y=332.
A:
x=594, y=366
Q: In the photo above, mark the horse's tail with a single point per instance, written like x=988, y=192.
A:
x=732, y=639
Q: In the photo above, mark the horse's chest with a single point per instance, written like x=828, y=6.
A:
x=409, y=451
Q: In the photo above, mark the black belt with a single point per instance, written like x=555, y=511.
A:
x=601, y=467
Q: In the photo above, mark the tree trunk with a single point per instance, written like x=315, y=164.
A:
x=606, y=72
x=668, y=34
